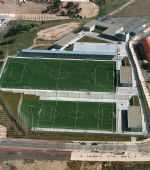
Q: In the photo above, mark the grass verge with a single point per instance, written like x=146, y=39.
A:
x=91, y=40
x=25, y=39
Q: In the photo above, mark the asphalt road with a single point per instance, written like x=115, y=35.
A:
x=60, y=150
x=59, y=146
x=44, y=146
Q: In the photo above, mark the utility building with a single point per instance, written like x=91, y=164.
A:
x=99, y=48
x=134, y=118
x=126, y=76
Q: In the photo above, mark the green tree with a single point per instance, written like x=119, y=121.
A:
x=69, y=5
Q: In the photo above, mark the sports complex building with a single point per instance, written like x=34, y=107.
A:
x=89, y=89
x=54, y=76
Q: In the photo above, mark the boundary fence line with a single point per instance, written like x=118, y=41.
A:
x=30, y=17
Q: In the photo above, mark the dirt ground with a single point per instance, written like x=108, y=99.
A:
x=89, y=9
x=137, y=8
x=72, y=165
x=32, y=165
x=57, y=32
x=12, y=6
x=50, y=165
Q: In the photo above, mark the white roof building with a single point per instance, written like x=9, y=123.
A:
x=101, y=48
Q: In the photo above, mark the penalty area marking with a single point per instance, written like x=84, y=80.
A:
x=19, y=80
x=94, y=76
x=76, y=114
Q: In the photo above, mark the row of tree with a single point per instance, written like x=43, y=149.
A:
x=52, y=8
x=19, y=28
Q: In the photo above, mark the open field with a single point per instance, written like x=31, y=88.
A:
x=91, y=40
x=137, y=8
x=57, y=32
x=25, y=39
x=56, y=74
x=13, y=7
x=73, y=165
x=110, y=5
x=93, y=9
x=12, y=105
x=68, y=115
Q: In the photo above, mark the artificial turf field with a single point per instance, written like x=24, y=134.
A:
x=54, y=74
x=68, y=115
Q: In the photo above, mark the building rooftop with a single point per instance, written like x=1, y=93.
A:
x=146, y=46
x=134, y=117
x=91, y=23
x=111, y=27
x=100, y=48
x=112, y=30
x=60, y=54
x=66, y=39
x=129, y=23
x=126, y=75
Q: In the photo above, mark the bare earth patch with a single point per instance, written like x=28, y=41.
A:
x=34, y=165
x=89, y=9
x=13, y=7
x=51, y=165
x=57, y=32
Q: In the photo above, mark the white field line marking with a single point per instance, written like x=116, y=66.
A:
x=39, y=114
x=114, y=116
x=22, y=74
x=10, y=73
x=59, y=75
x=51, y=112
x=56, y=89
x=76, y=118
x=32, y=115
x=98, y=116
x=108, y=116
x=102, y=116
x=106, y=77
x=4, y=71
x=3, y=67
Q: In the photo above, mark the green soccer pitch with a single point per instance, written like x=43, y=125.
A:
x=54, y=74
x=68, y=115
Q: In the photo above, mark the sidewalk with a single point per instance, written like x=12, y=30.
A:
x=93, y=156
